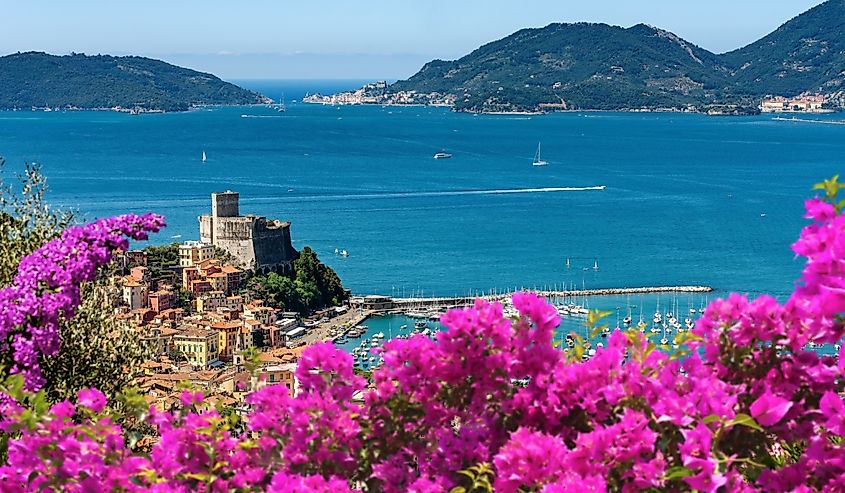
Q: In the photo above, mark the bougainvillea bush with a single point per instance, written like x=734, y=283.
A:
x=490, y=405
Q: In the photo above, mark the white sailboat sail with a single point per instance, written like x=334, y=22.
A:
x=203, y=156
x=538, y=161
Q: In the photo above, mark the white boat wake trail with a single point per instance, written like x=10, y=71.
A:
x=448, y=193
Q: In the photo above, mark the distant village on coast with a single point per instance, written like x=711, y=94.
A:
x=379, y=93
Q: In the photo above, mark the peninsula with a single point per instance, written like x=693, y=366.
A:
x=587, y=66
x=35, y=80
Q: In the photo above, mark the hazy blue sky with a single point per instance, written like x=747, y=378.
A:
x=345, y=39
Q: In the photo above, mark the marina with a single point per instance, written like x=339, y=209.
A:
x=659, y=315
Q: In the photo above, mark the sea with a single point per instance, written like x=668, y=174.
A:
x=687, y=200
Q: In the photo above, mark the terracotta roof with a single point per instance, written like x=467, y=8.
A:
x=196, y=332
x=225, y=325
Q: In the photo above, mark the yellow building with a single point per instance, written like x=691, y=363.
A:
x=192, y=253
x=228, y=335
x=198, y=346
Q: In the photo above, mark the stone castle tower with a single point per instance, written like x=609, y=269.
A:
x=256, y=242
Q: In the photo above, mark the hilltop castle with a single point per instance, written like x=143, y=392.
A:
x=254, y=241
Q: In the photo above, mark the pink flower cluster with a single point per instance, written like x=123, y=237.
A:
x=47, y=285
x=749, y=406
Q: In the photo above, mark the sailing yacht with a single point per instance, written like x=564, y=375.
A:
x=538, y=161
x=203, y=157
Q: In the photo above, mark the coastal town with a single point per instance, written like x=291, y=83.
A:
x=202, y=327
x=380, y=93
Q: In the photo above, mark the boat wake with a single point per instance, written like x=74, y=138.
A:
x=262, y=116
x=446, y=193
x=808, y=120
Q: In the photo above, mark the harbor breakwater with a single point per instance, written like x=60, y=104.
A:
x=401, y=303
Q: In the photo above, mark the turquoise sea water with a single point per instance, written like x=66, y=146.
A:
x=689, y=199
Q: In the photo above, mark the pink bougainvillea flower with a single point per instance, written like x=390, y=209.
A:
x=92, y=398
x=768, y=409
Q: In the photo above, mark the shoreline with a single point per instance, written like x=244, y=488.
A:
x=535, y=112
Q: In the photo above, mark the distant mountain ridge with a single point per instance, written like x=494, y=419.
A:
x=598, y=66
x=35, y=79
x=805, y=54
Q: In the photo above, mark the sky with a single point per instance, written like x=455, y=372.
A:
x=342, y=39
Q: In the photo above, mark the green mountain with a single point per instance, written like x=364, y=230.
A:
x=584, y=65
x=102, y=81
x=597, y=66
x=805, y=54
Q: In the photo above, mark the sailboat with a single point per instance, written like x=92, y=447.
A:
x=538, y=161
x=203, y=157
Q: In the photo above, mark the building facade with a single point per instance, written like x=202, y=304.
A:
x=199, y=347
x=193, y=252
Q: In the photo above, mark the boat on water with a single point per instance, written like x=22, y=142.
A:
x=442, y=155
x=344, y=253
x=538, y=161
x=203, y=157
x=420, y=325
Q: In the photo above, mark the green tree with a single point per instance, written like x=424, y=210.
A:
x=309, y=270
x=277, y=290
x=95, y=350
x=308, y=294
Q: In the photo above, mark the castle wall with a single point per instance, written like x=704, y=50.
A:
x=206, y=229
x=225, y=204
x=234, y=234
x=254, y=241
x=272, y=243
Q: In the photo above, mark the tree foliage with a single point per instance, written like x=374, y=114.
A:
x=312, y=285
x=95, y=351
x=102, y=81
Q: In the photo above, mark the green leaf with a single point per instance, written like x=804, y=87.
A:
x=677, y=472
x=458, y=489
x=711, y=419
x=742, y=419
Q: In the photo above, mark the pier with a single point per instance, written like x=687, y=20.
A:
x=445, y=302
